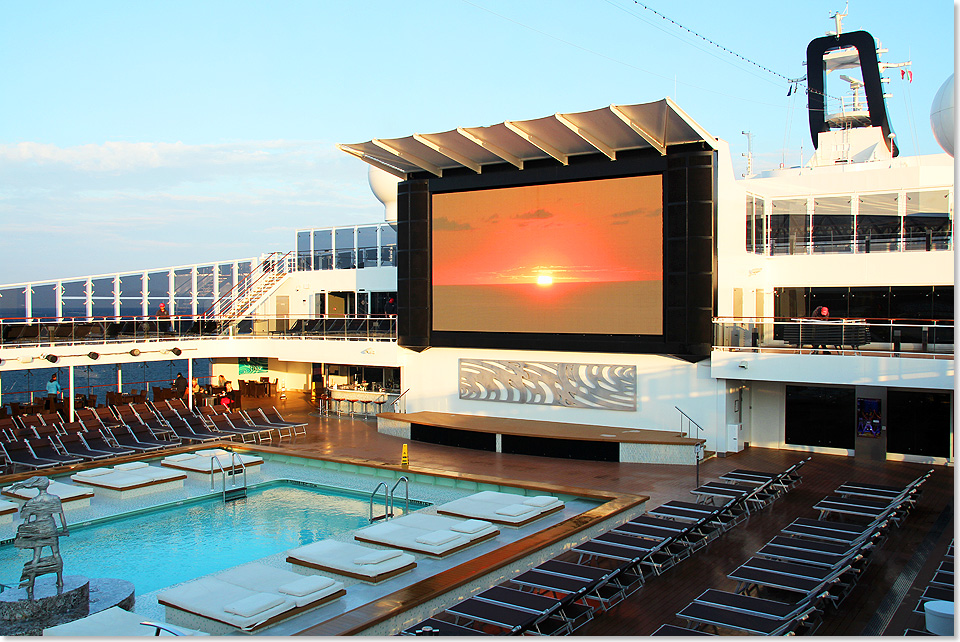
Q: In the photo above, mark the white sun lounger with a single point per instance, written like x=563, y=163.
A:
x=433, y=535
x=70, y=496
x=352, y=560
x=114, y=622
x=198, y=463
x=220, y=607
x=502, y=508
x=129, y=480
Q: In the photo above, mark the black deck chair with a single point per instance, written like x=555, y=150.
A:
x=126, y=439
x=512, y=620
x=434, y=626
x=223, y=424
x=763, y=607
x=636, y=553
x=603, y=590
x=569, y=590
x=266, y=428
x=187, y=434
x=145, y=435
x=565, y=618
x=19, y=454
x=72, y=444
x=45, y=449
x=94, y=440
x=272, y=416
x=673, y=631
x=706, y=614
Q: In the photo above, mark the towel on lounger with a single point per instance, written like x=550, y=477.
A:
x=93, y=472
x=541, y=501
x=437, y=538
x=253, y=604
x=306, y=585
x=377, y=557
x=470, y=526
x=515, y=510
x=180, y=457
x=133, y=465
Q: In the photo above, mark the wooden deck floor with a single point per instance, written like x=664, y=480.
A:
x=873, y=608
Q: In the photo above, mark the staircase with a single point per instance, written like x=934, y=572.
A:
x=252, y=289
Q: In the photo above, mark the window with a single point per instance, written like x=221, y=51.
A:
x=926, y=224
x=322, y=250
x=878, y=223
x=820, y=416
x=832, y=225
x=789, y=229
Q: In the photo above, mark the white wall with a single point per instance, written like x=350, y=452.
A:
x=663, y=382
x=299, y=286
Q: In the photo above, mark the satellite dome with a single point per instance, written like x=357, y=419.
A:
x=384, y=187
x=941, y=116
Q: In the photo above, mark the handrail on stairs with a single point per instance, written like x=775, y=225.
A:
x=690, y=421
x=274, y=263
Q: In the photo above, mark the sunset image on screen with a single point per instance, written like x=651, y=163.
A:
x=581, y=257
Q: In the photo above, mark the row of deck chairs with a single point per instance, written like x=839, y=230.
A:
x=940, y=587
x=564, y=593
x=134, y=428
x=811, y=567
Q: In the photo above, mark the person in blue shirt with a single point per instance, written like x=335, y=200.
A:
x=53, y=391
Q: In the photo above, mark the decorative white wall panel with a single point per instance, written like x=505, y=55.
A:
x=573, y=385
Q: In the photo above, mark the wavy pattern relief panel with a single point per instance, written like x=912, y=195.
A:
x=574, y=385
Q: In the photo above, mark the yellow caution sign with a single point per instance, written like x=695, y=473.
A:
x=404, y=459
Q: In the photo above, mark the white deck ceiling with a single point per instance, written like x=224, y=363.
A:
x=608, y=130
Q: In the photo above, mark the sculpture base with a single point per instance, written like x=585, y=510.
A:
x=80, y=597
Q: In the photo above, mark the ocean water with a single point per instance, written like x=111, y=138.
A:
x=98, y=379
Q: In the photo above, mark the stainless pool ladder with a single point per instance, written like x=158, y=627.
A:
x=235, y=491
x=388, y=499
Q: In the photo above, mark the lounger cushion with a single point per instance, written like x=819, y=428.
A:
x=377, y=557
x=541, y=501
x=470, y=526
x=213, y=452
x=133, y=465
x=306, y=585
x=437, y=538
x=253, y=604
x=180, y=457
x=93, y=472
x=515, y=510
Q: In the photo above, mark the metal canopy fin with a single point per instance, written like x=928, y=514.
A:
x=586, y=135
x=376, y=162
x=535, y=141
x=449, y=153
x=490, y=147
x=656, y=143
x=416, y=160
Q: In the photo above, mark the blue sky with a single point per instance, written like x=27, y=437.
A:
x=136, y=135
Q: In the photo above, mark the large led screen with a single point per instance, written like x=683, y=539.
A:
x=583, y=257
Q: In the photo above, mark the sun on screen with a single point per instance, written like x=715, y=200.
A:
x=544, y=279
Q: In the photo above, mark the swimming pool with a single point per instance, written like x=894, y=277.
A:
x=158, y=547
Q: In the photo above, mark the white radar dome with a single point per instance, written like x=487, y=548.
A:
x=384, y=187
x=941, y=116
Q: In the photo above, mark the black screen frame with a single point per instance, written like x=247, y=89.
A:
x=689, y=185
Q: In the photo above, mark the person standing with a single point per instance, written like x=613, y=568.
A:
x=180, y=385
x=53, y=391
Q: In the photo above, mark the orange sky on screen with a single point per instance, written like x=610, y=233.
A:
x=591, y=231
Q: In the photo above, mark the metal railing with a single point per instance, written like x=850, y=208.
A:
x=84, y=333
x=928, y=338
x=686, y=422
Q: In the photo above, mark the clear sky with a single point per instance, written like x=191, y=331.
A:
x=136, y=135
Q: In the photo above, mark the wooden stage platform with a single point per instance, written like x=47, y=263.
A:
x=542, y=438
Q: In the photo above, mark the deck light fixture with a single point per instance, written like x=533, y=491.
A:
x=177, y=351
x=93, y=355
x=52, y=358
x=135, y=352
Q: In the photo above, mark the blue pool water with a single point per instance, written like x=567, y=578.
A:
x=164, y=546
